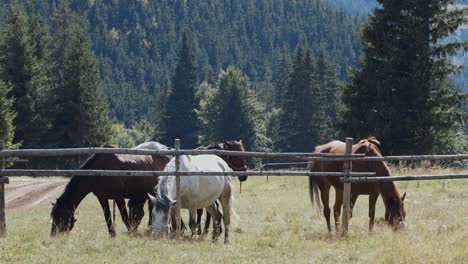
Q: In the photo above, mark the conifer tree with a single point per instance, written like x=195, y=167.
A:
x=400, y=93
x=299, y=122
x=230, y=110
x=180, y=120
x=7, y=115
x=22, y=66
x=82, y=117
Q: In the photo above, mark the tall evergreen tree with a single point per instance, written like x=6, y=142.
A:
x=82, y=117
x=180, y=120
x=7, y=114
x=327, y=82
x=22, y=66
x=282, y=78
x=299, y=123
x=400, y=93
x=230, y=110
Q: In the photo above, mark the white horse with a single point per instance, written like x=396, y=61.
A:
x=196, y=192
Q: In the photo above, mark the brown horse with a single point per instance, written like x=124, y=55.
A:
x=236, y=163
x=116, y=188
x=394, y=207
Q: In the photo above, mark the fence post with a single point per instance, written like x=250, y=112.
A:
x=177, y=169
x=2, y=198
x=347, y=187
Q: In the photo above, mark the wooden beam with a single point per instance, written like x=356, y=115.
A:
x=3, y=180
x=346, y=187
x=405, y=178
x=110, y=173
x=177, y=175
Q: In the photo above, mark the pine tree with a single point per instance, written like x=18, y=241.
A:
x=299, y=122
x=230, y=110
x=82, y=112
x=180, y=120
x=23, y=67
x=327, y=81
x=282, y=78
x=7, y=115
x=400, y=93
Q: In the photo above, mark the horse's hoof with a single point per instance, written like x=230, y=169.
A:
x=226, y=241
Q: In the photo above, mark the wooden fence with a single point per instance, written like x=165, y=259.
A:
x=348, y=177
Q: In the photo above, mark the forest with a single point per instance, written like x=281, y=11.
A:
x=281, y=75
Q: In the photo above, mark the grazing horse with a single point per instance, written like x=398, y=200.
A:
x=117, y=188
x=235, y=162
x=195, y=192
x=394, y=207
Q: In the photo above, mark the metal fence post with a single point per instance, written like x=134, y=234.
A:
x=177, y=175
x=347, y=187
x=2, y=197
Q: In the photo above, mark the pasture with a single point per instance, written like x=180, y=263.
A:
x=277, y=225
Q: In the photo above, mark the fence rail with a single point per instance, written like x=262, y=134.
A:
x=42, y=173
x=347, y=176
x=404, y=178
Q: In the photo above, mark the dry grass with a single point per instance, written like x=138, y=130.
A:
x=278, y=225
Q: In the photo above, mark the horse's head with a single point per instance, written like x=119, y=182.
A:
x=368, y=146
x=160, y=215
x=237, y=163
x=395, y=213
x=62, y=219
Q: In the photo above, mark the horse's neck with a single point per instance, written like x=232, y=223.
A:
x=168, y=186
x=75, y=191
x=387, y=189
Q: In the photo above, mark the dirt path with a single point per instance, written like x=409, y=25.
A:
x=32, y=193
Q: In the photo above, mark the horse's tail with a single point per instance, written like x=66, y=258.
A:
x=313, y=190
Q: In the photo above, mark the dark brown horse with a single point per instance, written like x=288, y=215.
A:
x=116, y=188
x=236, y=163
x=394, y=207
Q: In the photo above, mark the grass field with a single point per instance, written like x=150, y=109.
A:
x=277, y=225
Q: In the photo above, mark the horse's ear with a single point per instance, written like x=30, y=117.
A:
x=403, y=197
x=152, y=199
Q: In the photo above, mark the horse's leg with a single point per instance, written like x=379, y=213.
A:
x=199, y=217
x=325, y=195
x=192, y=221
x=137, y=212
x=216, y=220
x=107, y=215
x=150, y=215
x=372, y=201
x=123, y=212
x=351, y=206
x=337, y=208
x=226, y=203
x=206, y=229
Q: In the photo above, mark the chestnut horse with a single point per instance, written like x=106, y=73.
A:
x=394, y=207
x=117, y=188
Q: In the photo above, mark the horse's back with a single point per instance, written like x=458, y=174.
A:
x=199, y=191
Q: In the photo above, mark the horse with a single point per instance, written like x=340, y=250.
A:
x=394, y=203
x=104, y=188
x=196, y=192
x=235, y=162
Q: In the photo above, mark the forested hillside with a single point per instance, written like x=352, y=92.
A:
x=136, y=41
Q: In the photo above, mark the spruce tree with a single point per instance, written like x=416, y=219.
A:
x=23, y=67
x=230, y=110
x=82, y=115
x=180, y=120
x=7, y=115
x=400, y=93
x=299, y=121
